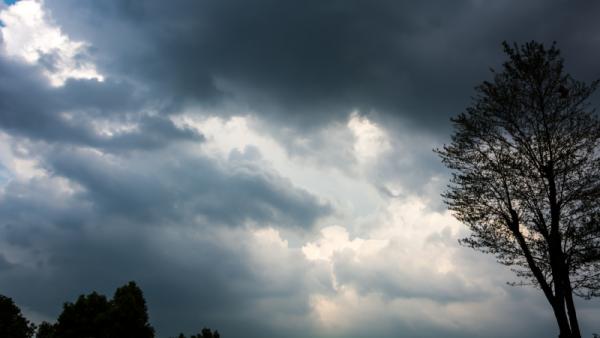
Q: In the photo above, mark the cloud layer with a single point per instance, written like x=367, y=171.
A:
x=258, y=167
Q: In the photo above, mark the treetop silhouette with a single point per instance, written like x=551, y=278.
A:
x=526, y=177
x=90, y=316
x=94, y=316
x=12, y=323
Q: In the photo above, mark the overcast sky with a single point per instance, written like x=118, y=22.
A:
x=260, y=167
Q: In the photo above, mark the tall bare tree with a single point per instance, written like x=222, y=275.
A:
x=526, y=177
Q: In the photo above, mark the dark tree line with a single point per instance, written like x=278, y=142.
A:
x=90, y=316
x=526, y=177
x=205, y=333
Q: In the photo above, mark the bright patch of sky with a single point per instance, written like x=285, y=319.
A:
x=235, y=138
x=29, y=35
x=398, y=239
x=371, y=140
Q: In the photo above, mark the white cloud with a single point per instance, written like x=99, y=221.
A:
x=370, y=139
x=400, y=238
x=336, y=239
x=14, y=158
x=405, y=271
x=28, y=34
x=352, y=195
x=270, y=237
x=397, y=263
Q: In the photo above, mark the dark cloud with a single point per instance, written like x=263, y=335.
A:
x=75, y=113
x=178, y=188
x=155, y=188
x=315, y=61
x=184, y=287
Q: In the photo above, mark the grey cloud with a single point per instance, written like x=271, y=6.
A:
x=148, y=210
x=311, y=62
x=176, y=267
x=408, y=66
x=172, y=186
x=441, y=288
x=4, y=264
x=173, y=221
x=32, y=108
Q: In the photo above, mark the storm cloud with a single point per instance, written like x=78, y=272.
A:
x=259, y=167
x=308, y=63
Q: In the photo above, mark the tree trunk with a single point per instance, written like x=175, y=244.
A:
x=560, y=288
x=558, y=305
x=560, y=273
x=574, y=323
x=556, y=300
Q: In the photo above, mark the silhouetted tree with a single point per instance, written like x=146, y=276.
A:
x=12, y=322
x=93, y=316
x=526, y=177
x=45, y=330
x=87, y=317
x=129, y=314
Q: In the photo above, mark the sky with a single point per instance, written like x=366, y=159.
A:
x=261, y=167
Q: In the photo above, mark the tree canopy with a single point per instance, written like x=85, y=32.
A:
x=90, y=316
x=12, y=322
x=87, y=317
x=95, y=316
x=129, y=314
x=526, y=176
